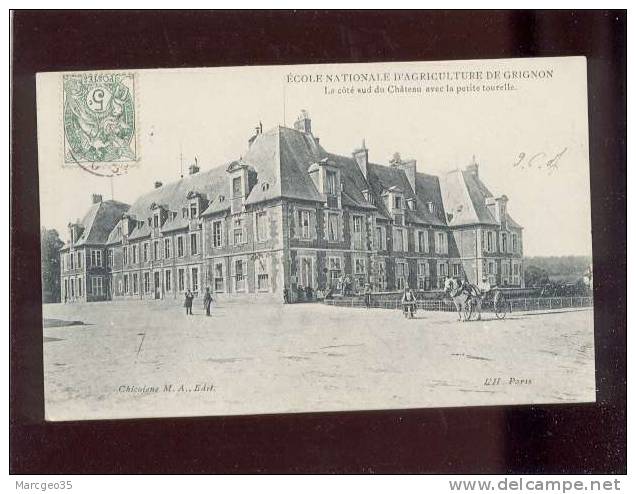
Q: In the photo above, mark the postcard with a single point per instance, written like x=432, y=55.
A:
x=282, y=239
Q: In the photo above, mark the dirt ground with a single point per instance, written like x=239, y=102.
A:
x=148, y=359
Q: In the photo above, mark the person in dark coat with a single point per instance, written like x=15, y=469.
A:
x=207, y=301
x=188, y=302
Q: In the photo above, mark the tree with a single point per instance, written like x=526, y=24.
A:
x=535, y=276
x=50, y=245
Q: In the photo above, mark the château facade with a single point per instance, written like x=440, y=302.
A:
x=291, y=215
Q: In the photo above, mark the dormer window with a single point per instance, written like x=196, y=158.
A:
x=236, y=187
x=155, y=220
x=184, y=212
x=397, y=202
x=410, y=202
x=332, y=184
x=194, y=210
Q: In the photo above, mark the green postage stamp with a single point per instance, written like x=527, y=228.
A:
x=99, y=118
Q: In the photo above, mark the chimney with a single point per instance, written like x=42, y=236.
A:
x=258, y=131
x=126, y=225
x=362, y=158
x=96, y=198
x=194, y=167
x=408, y=166
x=473, y=168
x=303, y=122
x=158, y=184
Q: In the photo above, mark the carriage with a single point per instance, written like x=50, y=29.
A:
x=496, y=301
x=468, y=299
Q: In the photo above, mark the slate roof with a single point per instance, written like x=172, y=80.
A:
x=282, y=157
x=464, y=197
x=99, y=222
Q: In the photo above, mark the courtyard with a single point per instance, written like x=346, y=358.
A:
x=148, y=359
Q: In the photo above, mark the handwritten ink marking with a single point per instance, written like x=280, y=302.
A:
x=143, y=337
x=537, y=161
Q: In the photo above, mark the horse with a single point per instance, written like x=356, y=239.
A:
x=461, y=293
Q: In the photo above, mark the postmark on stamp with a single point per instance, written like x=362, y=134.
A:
x=99, y=119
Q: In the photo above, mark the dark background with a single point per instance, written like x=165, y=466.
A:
x=587, y=438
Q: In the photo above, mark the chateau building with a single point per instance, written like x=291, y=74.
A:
x=290, y=215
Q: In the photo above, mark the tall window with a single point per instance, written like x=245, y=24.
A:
x=194, y=244
x=168, y=280
x=145, y=251
x=73, y=287
x=489, y=242
x=155, y=250
x=97, y=283
x=441, y=243
x=79, y=259
x=125, y=255
x=239, y=276
x=166, y=248
x=398, y=240
x=457, y=269
x=262, y=276
x=72, y=255
x=96, y=258
x=332, y=188
x=217, y=228
x=146, y=282
x=179, y=246
x=155, y=220
x=423, y=275
x=181, y=279
x=400, y=274
x=442, y=273
x=126, y=287
x=238, y=231
x=359, y=266
x=335, y=270
x=422, y=237
x=194, y=210
x=333, y=227
x=218, y=277
x=79, y=286
x=134, y=254
x=304, y=224
x=135, y=283
x=195, y=279
x=380, y=237
x=357, y=232
x=514, y=243
x=504, y=242
x=306, y=272
x=261, y=226
x=397, y=202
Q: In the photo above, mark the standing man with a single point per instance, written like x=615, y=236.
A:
x=367, y=295
x=207, y=301
x=188, y=302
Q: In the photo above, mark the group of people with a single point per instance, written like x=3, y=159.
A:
x=207, y=301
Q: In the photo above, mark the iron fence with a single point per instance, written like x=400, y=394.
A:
x=446, y=305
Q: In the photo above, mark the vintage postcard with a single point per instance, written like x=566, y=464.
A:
x=250, y=240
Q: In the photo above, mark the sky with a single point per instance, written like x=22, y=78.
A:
x=512, y=131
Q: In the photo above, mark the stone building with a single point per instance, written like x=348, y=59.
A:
x=289, y=214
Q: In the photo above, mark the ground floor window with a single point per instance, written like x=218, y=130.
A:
x=79, y=287
x=305, y=277
x=126, y=287
x=401, y=273
x=167, y=275
x=135, y=283
x=239, y=275
x=262, y=275
x=219, y=282
x=97, y=286
x=516, y=273
x=334, y=267
x=442, y=273
x=423, y=276
x=72, y=288
x=382, y=282
x=181, y=279
x=65, y=289
x=146, y=282
x=492, y=272
x=195, y=279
